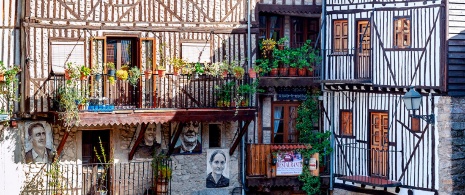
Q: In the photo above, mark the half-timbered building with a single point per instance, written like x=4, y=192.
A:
x=275, y=132
x=374, y=53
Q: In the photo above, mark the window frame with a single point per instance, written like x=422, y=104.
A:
x=335, y=39
x=267, y=27
x=402, y=32
x=342, y=126
x=306, y=32
x=286, y=105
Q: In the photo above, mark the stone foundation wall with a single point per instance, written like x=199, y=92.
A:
x=451, y=149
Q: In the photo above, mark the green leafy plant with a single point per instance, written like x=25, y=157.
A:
x=55, y=177
x=68, y=100
x=224, y=93
x=199, y=69
x=85, y=71
x=134, y=75
x=96, y=69
x=177, y=63
x=72, y=72
x=102, y=158
x=111, y=80
x=307, y=117
x=110, y=65
x=238, y=71
x=160, y=167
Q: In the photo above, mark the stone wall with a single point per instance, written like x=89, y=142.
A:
x=451, y=149
x=190, y=171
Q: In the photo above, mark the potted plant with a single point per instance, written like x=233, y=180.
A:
x=85, y=72
x=224, y=93
x=71, y=72
x=134, y=75
x=198, y=69
x=178, y=64
x=225, y=68
x=122, y=74
x=97, y=72
x=281, y=42
x=2, y=71
x=267, y=46
x=161, y=71
x=238, y=71
x=110, y=69
x=162, y=172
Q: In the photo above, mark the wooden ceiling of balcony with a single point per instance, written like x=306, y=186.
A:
x=165, y=115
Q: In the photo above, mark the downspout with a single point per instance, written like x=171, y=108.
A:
x=249, y=66
x=331, y=167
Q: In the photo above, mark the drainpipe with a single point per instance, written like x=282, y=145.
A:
x=331, y=167
x=249, y=66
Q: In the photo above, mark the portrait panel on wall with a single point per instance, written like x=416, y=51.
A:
x=38, y=142
x=190, y=139
x=217, y=168
x=150, y=141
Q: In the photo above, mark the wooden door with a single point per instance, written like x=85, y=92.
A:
x=363, y=50
x=379, y=144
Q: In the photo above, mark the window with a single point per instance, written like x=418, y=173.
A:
x=64, y=52
x=402, y=33
x=214, y=135
x=303, y=29
x=346, y=123
x=340, y=36
x=120, y=52
x=271, y=26
x=283, y=125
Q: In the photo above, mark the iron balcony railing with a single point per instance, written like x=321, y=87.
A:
x=155, y=92
x=131, y=178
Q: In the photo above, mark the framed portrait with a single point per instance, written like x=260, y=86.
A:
x=217, y=168
x=38, y=142
x=190, y=139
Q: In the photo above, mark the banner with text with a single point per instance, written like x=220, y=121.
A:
x=289, y=163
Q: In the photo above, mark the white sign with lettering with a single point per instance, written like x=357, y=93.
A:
x=289, y=163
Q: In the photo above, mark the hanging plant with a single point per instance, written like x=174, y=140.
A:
x=134, y=75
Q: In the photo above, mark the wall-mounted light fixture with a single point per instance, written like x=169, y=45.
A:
x=412, y=101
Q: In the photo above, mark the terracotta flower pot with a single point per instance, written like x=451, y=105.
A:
x=274, y=72
x=252, y=73
x=302, y=72
x=292, y=72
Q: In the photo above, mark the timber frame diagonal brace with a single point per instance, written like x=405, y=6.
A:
x=238, y=138
x=138, y=140
x=175, y=138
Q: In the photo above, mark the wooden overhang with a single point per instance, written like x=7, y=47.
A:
x=143, y=117
x=289, y=9
x=287, y=82
x=164, y=115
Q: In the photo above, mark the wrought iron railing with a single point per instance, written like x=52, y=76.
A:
x=131, y=178
x=154, y=92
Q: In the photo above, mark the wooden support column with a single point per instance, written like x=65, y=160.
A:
x=239, y=137
x=175, y=138
x=143, y=128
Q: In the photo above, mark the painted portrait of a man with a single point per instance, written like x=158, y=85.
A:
x=189, y=141
x=217, y=168
x=39, y=147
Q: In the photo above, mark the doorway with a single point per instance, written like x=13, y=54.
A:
x=94, y=173
x=379, y=144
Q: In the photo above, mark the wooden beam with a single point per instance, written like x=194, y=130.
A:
x=175, y=138
x=143, y=128
x=62, y=143
x=239, y=137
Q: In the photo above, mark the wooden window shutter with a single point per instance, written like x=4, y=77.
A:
x=402, y=35
x=340, y=36
x=346, y=123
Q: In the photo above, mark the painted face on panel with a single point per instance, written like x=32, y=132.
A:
x=190, y=132
x=38, y=138
x=218, y=163
x=149, y=135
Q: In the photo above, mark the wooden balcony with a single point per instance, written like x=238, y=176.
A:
x=153, y=99
x=263, y=164
x=347, y=66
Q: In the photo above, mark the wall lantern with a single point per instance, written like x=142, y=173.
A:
x=412, y=101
